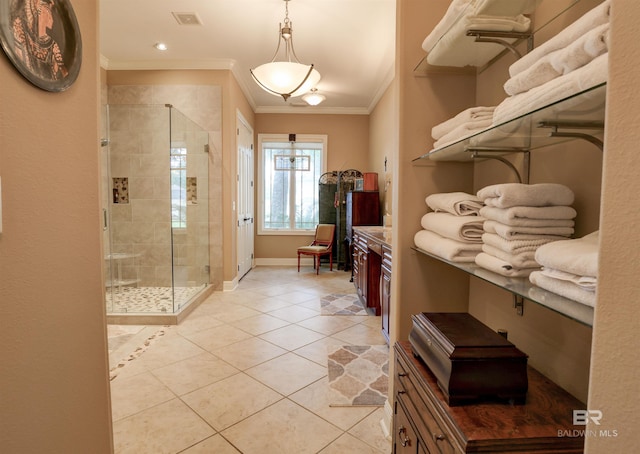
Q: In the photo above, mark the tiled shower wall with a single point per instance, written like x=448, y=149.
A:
x=135, y=147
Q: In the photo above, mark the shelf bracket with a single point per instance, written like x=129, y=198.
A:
x=477, y=153
x=518, y=304
x=496, y=37
x=556, y=125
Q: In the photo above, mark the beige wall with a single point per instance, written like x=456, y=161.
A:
x=54, y=382
x=383, y=146
x=347, y=143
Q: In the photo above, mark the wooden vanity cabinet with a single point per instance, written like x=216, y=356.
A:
x=385, y=290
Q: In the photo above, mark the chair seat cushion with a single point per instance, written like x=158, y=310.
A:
x=313, y=249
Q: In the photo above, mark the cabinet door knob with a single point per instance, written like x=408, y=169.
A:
x=404, y=439
x=439, y=437
x=402, y=374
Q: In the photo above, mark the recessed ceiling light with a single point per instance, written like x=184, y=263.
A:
x=160, y=46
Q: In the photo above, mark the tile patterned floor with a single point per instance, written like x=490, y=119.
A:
x=246, y=372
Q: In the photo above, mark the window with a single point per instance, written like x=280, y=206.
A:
x=178, y=187
x=288, y=183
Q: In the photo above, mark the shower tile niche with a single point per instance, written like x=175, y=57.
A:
x=120, y=190
x=192, y=190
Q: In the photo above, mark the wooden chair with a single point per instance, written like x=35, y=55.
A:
x=321, y=245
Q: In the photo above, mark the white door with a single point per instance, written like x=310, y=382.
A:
x=245, y=196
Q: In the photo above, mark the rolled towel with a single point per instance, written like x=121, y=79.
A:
x=578, y=256
x=501, y=267
x=588, y=76
x=588, y=283
x=593, y=18
x=520, y=260
x=508, y=195
x=537, y=74
x=563, y=288
x=557, y=216
x=513, y=246
x=463, y=131
x=454, y=251
x=458, y=203
x=509, y=232
x=591, y=45
x=467, y=229
x=467, y=115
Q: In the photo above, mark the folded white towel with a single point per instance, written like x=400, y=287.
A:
x=508, y=195
x=594, y=73
x=593, y=18
x=505, y=7
x=466, y=116
x=458, y=203
x=501, y=267
x=589, y=46
x=578, y=256
x=557, y=216
x=454, y=251
x=467, y=229
x=514, y=246
x=463, y=131
x=520, y=260
x=537, y=74
x=588, y=283
x=456, y=10
x=563, y=288
x=457, y=49
x=510, y=232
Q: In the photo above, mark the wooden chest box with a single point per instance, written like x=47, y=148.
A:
x=470, y=361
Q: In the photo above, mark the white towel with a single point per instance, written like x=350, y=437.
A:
x=456, y=9
x=509, y=232
x=458, y=203
x=578, y=256
x=520, y=260
x=467, y=115
x=467, y=229
x=537, y=74
x=454, y=251
x=508, y=195
x=587, y=283
x=556, y=216
x=594, y=73
x=563, y=288
x=457, y=49
x=501, y=267
x=597, y=16
x=513, y=246
x=463, y=131
x=505, y=7
x=591, y=45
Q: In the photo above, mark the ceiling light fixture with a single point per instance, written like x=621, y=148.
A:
x=160, y=46
x=313, y=98
x=288, y=77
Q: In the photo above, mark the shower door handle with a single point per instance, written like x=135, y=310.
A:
x=105, y=226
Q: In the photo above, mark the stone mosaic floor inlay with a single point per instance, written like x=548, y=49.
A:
x=148, y=299
x=341, y=304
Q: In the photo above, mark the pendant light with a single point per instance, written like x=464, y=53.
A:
x=287, y=77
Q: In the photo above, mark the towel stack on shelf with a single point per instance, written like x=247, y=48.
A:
x=570, y=268
x=572, y=61
x=520, y=218
x=453, y=230
x=448, y=43
x=466, y=123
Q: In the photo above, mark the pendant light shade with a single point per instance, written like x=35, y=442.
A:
x=313, y=98
x=287, y=77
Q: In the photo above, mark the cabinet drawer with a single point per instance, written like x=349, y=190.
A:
x=405, y=439
x=436, y=438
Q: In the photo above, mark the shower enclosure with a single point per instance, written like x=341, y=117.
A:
x=155, y=188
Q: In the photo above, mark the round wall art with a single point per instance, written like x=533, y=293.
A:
x=42, y=40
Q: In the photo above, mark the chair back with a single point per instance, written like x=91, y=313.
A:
x=324, y=234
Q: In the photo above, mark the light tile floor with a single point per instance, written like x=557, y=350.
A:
x=245, y=372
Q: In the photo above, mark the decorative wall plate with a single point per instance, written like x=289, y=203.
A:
x=42, y=40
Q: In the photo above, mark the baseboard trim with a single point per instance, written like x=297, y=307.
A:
x=386, y=422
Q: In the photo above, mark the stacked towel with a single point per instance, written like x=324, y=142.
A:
x=572, y=61
x=519, y=219
x=453, y=230
x=466, y=123
x=448, y=44
x=570, y=268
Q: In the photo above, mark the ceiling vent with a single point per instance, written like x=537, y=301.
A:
x=187, y=18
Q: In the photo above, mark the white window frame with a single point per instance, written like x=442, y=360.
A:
x=284, y=138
